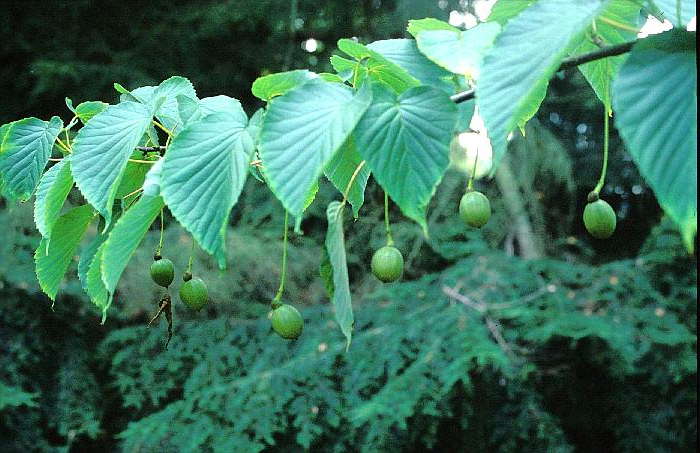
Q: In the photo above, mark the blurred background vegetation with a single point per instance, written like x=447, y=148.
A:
x=526, y=336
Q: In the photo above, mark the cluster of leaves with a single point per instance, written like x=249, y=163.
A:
x=386, y=108
x=624, y=332
x=486, y=341
x=50, y=410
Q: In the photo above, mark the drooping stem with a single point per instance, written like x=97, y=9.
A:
x=63, y=145
x=162, y=227
x=140, y=189
x=606, y=139
x=132, y=201
x=389, y=238
x=617, y=24
x=471, y=177
x=163, y=128
x=189, y=262
x=352, y=180
x=283, y=274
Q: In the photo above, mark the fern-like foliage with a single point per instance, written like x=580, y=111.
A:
x=472, y=350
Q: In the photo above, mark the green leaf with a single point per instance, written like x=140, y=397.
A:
x=101, y=151
x=188, y=108
x=349, y=69
x=505, y=10
x=203, y=174
x=126, y=237
x=223, y=104
x=166, y=95
x=24, y=153
x=87, y=256
x=416, y=26
x=671, y=9
x=269, y=86
x=379, y=68
x=192, y=110
x=86, y=110
x=405, y=53
x=301, y=132
x=4, y=132
x=51, y=193
x=122, y=90
x=143, y=95
x=94, y=286
x=335, y=248
x=133, y=177
x=69, y=104
x=163, y=100
x=459, y=51
x=465, y=115
x=52, y=264
x=310, y=197
x=329, y=77
x=255, y=125
x=151, y=183
x=405, y=141
x=529, y=50
x=340, y=170
x=655, y=99
x=599, y=73
x=325, y=271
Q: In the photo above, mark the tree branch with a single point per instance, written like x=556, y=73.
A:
x=605, y=52
x=151, y=148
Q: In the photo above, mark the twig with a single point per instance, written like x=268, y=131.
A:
x=459, y=297
x=147, y=149
x=166, y=307
x=496, y=332
x=605, y=52
x=490, y=323
x=525, y=299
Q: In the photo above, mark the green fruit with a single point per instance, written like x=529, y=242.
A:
x=475, y=209
x=599, y=219
x=387, y=264
x=163, y=272
x=194, y=293
x=287, y=322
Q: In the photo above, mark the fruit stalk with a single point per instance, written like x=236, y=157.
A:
x=606, y=130
x=160, y=241
x=470, y=183
x=389, y=239
x=276, y=301
x=352, y=180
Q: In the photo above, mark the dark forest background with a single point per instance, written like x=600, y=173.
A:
x=528, y=335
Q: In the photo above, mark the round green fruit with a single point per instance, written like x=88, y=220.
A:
x=387, y=264
x=599, y=219
x=163, y=272
x=194, y=293
x=287, y=322
x=475, y=209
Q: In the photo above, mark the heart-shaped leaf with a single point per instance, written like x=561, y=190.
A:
x=405, y=140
